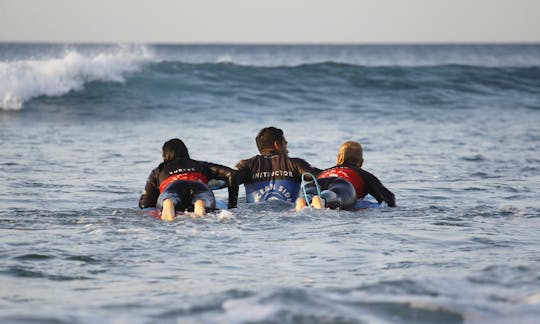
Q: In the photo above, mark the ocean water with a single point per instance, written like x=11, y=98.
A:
x=452, y=130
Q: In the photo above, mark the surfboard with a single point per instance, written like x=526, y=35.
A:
x=367, y=202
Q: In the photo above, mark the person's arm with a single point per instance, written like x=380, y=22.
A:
x=304, y=167
x=375, y=188
x=230, y=176
x=243, y=171
x=151, y=192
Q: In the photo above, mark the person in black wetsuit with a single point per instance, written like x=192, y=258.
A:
x=272, y=174
x=346, y=182
x=180, y=183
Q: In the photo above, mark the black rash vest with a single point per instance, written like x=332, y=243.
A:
x=191, y=170
x=272, y=176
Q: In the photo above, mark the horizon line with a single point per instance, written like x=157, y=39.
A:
x=435, y=43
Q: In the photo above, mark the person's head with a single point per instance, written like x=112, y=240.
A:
x=173, y=149
x=271, y=139
x=350, y=152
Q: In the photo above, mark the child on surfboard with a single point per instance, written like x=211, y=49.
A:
x=180, y=183
x=344, y=183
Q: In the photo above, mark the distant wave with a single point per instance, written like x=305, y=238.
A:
x=357, y=55
x=431, y=72
x=21, y=80
x=333, y=77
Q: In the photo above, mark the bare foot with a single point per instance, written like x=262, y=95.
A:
x=300, y=204
x=199, y=209
x=168, y=213
x=317, y=202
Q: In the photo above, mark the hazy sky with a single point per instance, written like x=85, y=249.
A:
x=270, y=21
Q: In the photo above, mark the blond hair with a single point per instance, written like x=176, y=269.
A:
x=350, y=152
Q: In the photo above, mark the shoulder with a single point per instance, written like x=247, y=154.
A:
x=200, y=165
x=368, y=176
x=305, y=166
x=342, y=171
x=188, y=161
x=195, y=161
x=367, y=173
x=216, y=166
x=363, y=172
x=336, y=167
x=153, y=177
x=158, y=169
x=183, y=163
x=246, y=162
x=298, y=161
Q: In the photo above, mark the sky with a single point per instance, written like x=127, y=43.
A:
x=271, y=21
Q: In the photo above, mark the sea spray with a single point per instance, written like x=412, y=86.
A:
x=22, y=80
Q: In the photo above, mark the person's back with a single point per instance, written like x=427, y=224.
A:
x=184, y=169
x=345, y=182
x=364, y=183
x=181, y=183
x=349, y=167
x=272, y=174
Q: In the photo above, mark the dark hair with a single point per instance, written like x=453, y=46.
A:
x=267, y=136
x=173, y=149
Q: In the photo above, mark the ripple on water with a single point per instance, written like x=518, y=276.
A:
x=26, y=272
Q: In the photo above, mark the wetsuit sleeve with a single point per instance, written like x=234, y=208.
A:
x=303, y=167
x=244, y=171
x=230, y=176
x=151, y=191
x=375, y=188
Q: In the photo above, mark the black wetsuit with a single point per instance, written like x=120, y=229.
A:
x=362, y=181
x=336, y=192
x=272, y=176
x=187, y=179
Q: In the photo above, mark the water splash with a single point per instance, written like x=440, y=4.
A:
x=22, y=80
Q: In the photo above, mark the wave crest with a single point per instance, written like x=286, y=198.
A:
x=22, y=80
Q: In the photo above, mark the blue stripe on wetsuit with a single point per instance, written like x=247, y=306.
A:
x=269, y=190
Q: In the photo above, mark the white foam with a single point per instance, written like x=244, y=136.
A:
x=225, y=59
x=533, y=299
x=22, y=80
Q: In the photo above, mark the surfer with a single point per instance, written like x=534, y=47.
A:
x=272, y=174
x=345, y=182
x=180, y=183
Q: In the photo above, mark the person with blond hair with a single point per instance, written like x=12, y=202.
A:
x=345, y=182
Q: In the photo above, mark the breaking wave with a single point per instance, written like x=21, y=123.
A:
x=22, y=80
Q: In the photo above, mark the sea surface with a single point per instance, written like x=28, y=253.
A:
x=452, y=130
